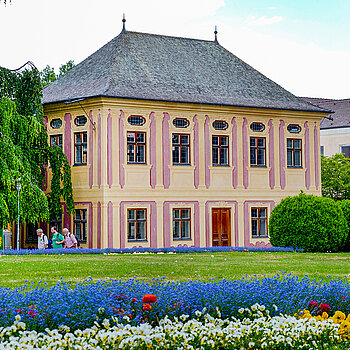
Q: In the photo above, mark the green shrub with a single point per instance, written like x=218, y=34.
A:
x=345, y=206
x=316, y=224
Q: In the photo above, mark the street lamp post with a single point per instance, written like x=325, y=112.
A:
x=18, y=188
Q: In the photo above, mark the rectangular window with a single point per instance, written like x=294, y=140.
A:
x=259, y=222
x=80, y=148
x=257, y=151
x=56, y=140
x=136, y=143
x=80, y=225
x=220, y=150
x=294, y=153
x=137, y=221
x=181, y=149
x=345, y=150
x=322, y=150
x=181, y=223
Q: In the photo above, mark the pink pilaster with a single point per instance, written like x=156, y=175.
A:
x=99, y=223
x=109, y=150
x=234, y=153
x=166, y=150
x=153, y=151
x=121, y=150
x=68, y=137
x=207, y=151
x=245, y=153
x=282, y=155
x=110, y=224
x=196, y=151
x=99, y=150
x=271, y=155
x=317, y=157
x=91, y=151
x=307, y=156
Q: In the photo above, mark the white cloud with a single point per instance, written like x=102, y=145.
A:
x=263, y=20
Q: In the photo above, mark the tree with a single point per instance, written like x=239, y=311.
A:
x=64, y=68
x=335, y=174
x=25, y=152
x=48, y=74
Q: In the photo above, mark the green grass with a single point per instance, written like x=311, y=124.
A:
x=16, y=270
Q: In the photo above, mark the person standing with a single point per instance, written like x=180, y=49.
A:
x=70, y=240
x=43, y=241
x=57, y=238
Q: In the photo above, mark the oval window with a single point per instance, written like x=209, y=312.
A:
x=257, y=126
x=294, y=128
x=80, y=121
x=56, y=123
x=220, y=125
x=181, y=122
x=136, y=120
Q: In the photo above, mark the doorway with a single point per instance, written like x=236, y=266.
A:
x=221, y=223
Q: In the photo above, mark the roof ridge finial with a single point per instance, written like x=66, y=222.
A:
x=123, y=20
x=216, y=33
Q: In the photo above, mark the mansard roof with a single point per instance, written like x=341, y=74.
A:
x=341, y=116
x=162, y=68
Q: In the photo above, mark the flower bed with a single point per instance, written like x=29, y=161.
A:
x=259, y=331
x=140, y=250
x=81, y=306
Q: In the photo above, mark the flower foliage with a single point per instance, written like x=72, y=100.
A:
x=79, y=306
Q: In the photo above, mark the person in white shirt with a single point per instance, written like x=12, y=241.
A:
x=43, y=241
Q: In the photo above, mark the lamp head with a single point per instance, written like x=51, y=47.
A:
x=18, y=184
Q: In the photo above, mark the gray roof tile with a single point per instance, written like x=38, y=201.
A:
x=163, y=68
x=341, y=108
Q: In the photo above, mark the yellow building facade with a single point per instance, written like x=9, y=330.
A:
x=168, y=171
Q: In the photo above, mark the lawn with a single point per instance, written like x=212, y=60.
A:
x=16, y=270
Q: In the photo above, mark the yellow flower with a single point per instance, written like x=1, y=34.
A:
x=338, y=317
x=324, y=315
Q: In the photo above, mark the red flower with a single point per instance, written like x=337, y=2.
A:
x=313, y=304
x=149, y=298
x=147, y=307
x=324, y=307
x=133, y=300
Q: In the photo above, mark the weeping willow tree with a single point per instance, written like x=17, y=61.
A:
x=25, y=152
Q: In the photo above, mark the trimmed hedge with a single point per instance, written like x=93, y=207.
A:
x=316, y=224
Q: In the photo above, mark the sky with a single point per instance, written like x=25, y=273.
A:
x=303, y=45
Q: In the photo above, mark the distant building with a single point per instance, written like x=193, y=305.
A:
x=176, y=141
x=335, y=129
